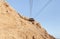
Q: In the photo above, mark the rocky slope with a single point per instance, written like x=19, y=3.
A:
x=15, y=26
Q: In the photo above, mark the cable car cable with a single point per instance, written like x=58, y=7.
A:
x=31, y=6
x=43, y=8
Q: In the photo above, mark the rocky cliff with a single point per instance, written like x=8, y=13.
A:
x=15, y=26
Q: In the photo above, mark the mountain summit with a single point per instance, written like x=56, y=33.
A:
x=15, y=26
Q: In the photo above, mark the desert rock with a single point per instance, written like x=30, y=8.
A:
x=15, y=26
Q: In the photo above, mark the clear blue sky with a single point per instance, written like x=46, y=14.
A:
x=49, y=17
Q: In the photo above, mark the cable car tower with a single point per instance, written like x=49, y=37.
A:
x=31, y=6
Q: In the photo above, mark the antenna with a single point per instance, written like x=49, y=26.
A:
x=31, y=5
x=42, y=8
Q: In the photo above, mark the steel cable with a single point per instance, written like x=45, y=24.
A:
x=31, y=6
x=42, y=8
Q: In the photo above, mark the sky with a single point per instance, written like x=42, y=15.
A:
x=46, y=12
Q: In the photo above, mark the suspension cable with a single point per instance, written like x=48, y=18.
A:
x=42, y=8
x=31, y=5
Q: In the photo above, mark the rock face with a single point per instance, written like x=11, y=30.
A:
x=15, y=26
